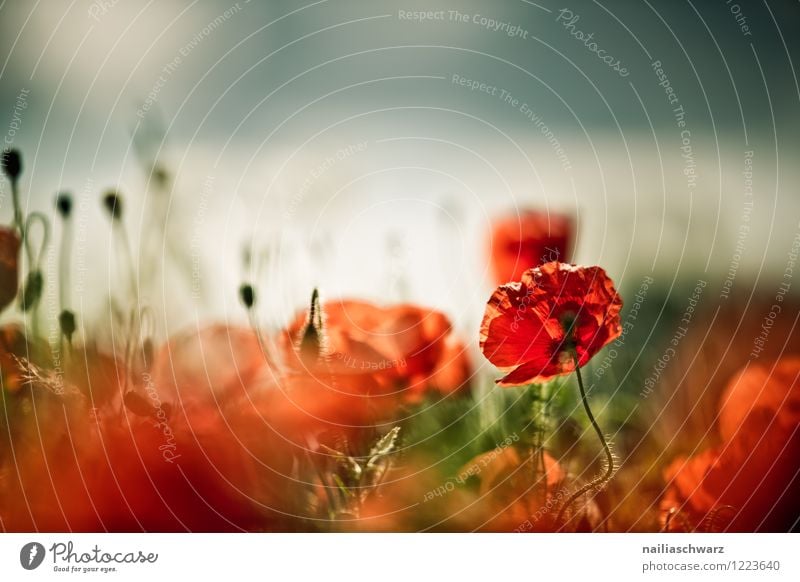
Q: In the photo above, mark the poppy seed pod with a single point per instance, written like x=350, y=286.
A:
x=247, y=295
x=66, y=321
x=64, y=204
x=12, y=164
x=113, y=204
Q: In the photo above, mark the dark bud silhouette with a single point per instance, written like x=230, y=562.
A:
x=247, y=295
x=160, y=176
x=66, y=320
x=64, y=204
x=12, y=164
x=311, y=340
x=113, y=204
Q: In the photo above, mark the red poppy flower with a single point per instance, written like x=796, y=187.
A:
x=307, y=404
x=750, y=477
x=9, y=254
x=775, y=388
x=405, y=350
x=130, y=470
x=216, y=364
x=532, y=329
x=527, y=239
x=747, y=478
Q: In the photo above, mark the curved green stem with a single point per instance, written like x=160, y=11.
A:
x=604, y=478
x=539, y=426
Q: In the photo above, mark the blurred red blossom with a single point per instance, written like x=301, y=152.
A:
x=217, y=364
x=9, y=255
x=759, y=386
x=526, y=239
x=532, y=329
x=128, y=473
x=91, y=456
x=745, y=483
x=404, y=351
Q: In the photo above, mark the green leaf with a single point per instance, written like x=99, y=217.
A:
x=379, y=458
x=347, y=465
x=385, y=445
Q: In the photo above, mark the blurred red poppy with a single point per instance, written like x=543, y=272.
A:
x=406, y=351
x=533, y=329
x=304, y=405
x=775, y=388
x=9, y=255
x=127, y=473
x=16, y=351
x=744, y=484
x=747, y=482
x=527, y=239
x=217, y=364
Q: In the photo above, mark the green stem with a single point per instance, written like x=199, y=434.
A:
x=539, y=426
x=600, y=480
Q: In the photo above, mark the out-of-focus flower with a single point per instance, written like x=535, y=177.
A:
x=745, y=483
x=216, y=364
x=454, y=369
x=524, y=240
x=532, y=329
x=9, y=268
x=304, y=405
x=85, y=462
x=98, y=376
x=405, y=350
x=126, y=473
x=20, y=355
x=775, y=388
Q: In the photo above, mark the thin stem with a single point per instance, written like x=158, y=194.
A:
x=64, y=266
x=17, y=208
x=19, y=222
x=124, y=242
x=63, y=277
x=600, y=480
x=35, y=259
x=539, y=420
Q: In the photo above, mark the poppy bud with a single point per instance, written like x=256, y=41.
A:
x=66, y=319
x=113, y=204
x=160, y=176
x=247, y=295
x=64, y=204
x=311, y=340
x=12, y=164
